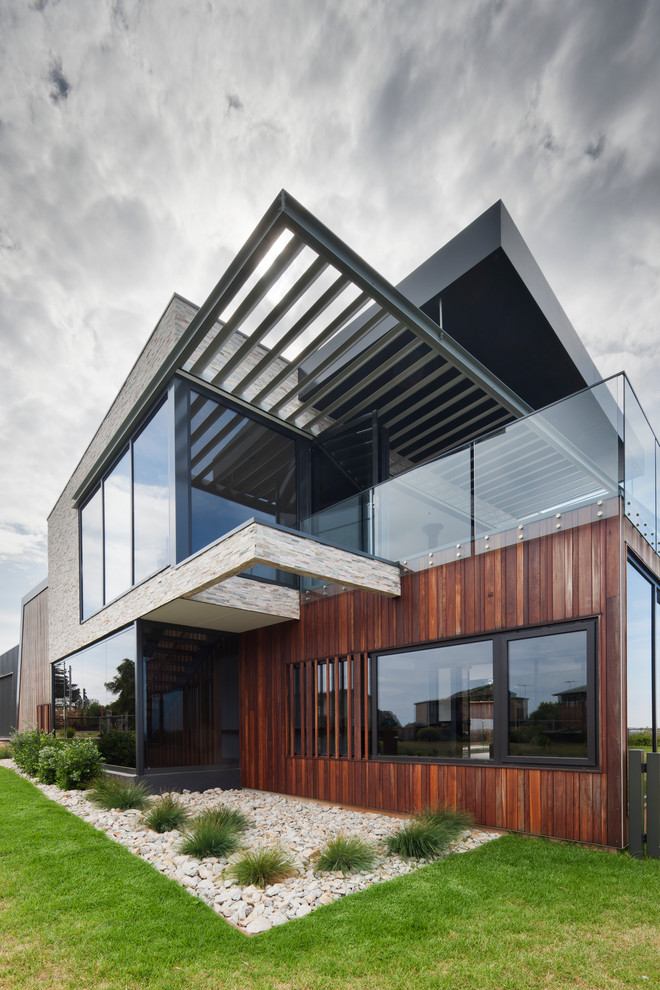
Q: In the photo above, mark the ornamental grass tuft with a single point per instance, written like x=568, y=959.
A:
x=263, y=867
x=204, y=838
x=5, y=751
x=114, y=792
x=350, y=854
x=429, y=833
x=221, y=815
x=166, y=814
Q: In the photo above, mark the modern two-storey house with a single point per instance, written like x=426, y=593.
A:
x=377, y=545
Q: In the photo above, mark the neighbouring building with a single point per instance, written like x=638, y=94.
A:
x=377, y=545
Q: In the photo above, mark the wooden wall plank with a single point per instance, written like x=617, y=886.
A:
x=568, y=574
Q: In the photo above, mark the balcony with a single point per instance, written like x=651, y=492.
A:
x=554, y=469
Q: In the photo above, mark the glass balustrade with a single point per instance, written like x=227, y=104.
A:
x=559, y=467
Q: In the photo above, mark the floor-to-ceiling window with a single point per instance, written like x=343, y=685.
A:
x=124, y=522
x=643, y=630
x=94, y=696
x=190, y=696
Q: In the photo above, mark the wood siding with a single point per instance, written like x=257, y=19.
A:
x=572, y=574
x=35, y=685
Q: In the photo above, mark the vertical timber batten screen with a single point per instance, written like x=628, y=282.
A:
x=328, y=707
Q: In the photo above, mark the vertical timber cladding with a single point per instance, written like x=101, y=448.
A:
x=568, y=575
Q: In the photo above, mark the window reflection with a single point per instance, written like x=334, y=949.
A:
x=151, y=496
x=239, y=470
x=191, y=692
x=437, y=702
x=117, y=543
x=95, y=696
x=548, y=695
x=91, y=533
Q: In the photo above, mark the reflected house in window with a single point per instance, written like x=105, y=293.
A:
x=385, y=545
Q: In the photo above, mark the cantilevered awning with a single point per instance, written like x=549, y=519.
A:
x=304, y=330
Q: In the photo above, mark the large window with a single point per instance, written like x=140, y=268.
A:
x=525, y=696
x=191, y=696
x=124, y=524
x=94, y=694
x=437, y=702
x=643, y=630
x=239, y=469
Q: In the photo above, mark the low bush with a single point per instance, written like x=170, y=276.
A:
x=26, y=747
x=640, y=740
x=5, y=751
x=48, y=761
x=429, y=833
x=262, y=867
x=117, y=747
x=350, y=854
x=115, y=792
x=205, y=837
x=166, y=814
x=78, y=764
x=70, y=732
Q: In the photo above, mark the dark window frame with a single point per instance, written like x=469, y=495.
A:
x=500, y=640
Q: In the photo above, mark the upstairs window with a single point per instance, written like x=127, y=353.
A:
x=124, y=524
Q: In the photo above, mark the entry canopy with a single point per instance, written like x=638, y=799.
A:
x=301, y=328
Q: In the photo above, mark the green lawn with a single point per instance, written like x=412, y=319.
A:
x=76, y=910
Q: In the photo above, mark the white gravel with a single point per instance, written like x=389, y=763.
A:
x=302, y=827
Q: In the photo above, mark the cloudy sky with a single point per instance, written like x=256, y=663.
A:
x=142, y=140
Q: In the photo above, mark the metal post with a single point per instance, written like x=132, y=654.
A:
x=635, y=803
x=653, y=805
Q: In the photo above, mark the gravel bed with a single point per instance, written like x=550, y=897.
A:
x=302, y=827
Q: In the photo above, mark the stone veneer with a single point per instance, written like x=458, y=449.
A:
x=250, y=545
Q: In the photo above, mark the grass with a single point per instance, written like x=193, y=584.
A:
x=115, y=792
x=429, y=833
x=262, y=867
x=166, y=814
x=78, y=911
x=205, y=837
x=221, y=815
x=350, y=854
x=5, y=751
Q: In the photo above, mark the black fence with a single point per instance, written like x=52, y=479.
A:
x=643, y=803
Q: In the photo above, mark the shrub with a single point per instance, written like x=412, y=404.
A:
x=5, y=751
x=117, y=747
x=350, y=854
x=640, y=740
x=428, y=834
x=115, y=792
x=262, y=867
x=166, y=814
x=79, y=763
x=70, y=732
x=222, y=815
x=48, y=761
x=26, y=746
x=208, y=838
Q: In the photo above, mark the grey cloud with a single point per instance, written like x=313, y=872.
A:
x=60, y=84
x=595, y=150
x=234, y=102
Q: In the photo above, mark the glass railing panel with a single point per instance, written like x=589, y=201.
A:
x=558, y=460
x=345, y=525
x=423, y=517
x=640, y=468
